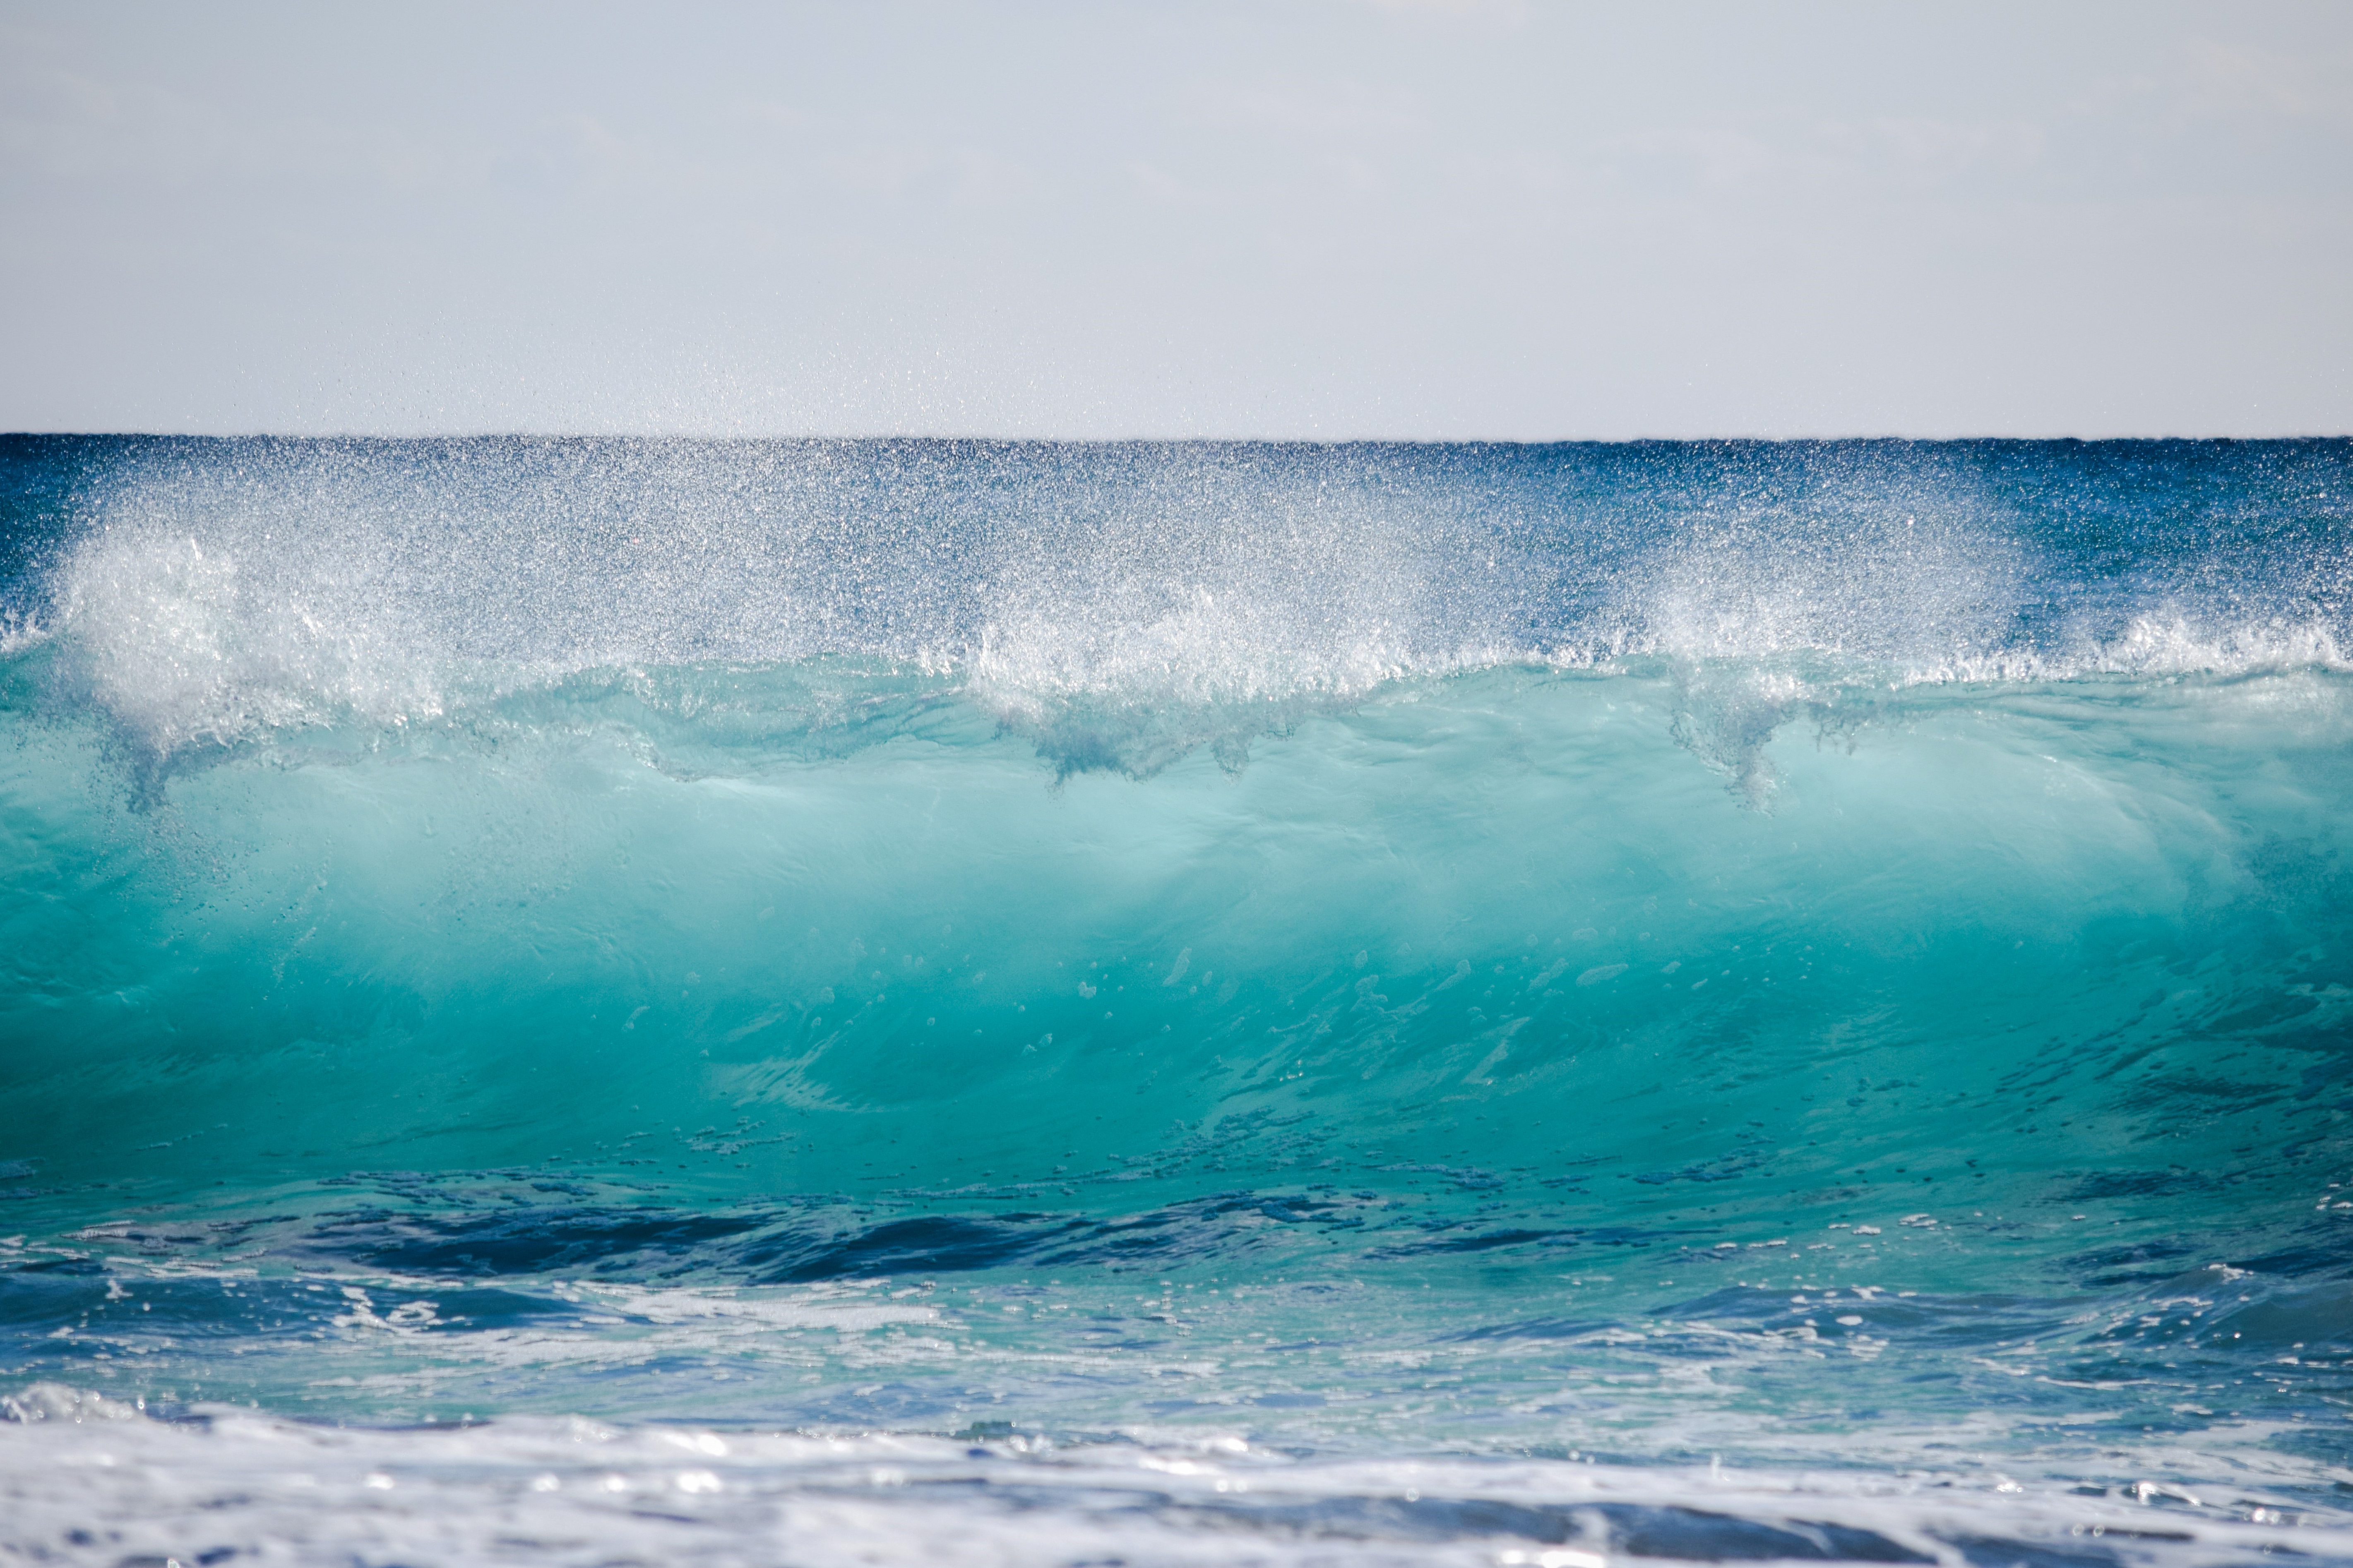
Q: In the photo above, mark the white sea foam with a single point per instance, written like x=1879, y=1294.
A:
x=85, y=1480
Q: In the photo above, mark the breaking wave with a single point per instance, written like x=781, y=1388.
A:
x=1706, y=1001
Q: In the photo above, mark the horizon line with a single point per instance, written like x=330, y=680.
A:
x=944, y=438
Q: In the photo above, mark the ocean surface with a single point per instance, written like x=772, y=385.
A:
x=609, y=1002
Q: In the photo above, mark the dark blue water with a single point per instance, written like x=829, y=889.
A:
x=593, y=1001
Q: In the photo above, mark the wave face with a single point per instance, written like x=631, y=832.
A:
x=1162, y=1002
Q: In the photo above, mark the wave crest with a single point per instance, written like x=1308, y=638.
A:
x=1123, y=605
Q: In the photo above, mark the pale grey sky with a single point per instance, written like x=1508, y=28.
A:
x=1321, y=218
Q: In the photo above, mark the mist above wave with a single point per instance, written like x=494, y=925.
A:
x=1126, y=602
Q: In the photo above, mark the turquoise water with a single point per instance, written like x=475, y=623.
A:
x=1176, y=1002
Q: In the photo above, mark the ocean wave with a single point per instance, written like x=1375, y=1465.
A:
x=1144, y=981
x=841, y=902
